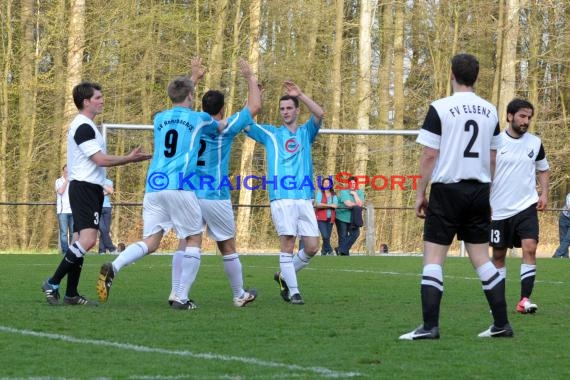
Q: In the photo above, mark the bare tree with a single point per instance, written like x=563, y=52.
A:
x=509, y=57
x=336, y=79
x=27, y=112
x=364, y=92
x=399, y=106
x=214, y=74
x=75, y=48
x=243, y=224
x=7, y=73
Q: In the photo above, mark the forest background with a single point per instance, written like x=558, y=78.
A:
x=372, y=65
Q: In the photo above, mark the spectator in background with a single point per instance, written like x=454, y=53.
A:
x=325, y=208
x=105, y=241
x=564, y=231
x=349, y=216
x=63, y=209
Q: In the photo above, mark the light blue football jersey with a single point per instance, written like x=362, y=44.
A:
x=289, y=159
x=177, y=133
x=212, y=180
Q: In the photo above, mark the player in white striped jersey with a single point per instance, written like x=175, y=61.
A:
x=460, y=136
x=514, y=213
x=87, y=159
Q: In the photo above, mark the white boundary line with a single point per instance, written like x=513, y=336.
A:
x=511, y=278
x=325, y=372
x=369, y=271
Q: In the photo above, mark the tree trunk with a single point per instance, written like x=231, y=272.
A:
x=499, y=54
x=214, y=74
x=7, y=239
x=386, y=38
x=27, y=114
x=509, y=57
x=243, y=223
x=235, y=49
x=48, y=232
x=364, y=63
x=336, y=79
x=75, y=47
x=534, y=36
x=398, y=167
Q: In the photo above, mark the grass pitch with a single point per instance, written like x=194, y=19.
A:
x=356, y=307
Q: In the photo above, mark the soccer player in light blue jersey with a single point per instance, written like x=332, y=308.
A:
x=169, y=201
x=289, y=184
x=213, y=191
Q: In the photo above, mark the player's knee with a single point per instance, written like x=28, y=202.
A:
x=311, y=249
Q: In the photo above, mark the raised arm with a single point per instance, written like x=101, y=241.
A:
x=197, y=71
x=292, y=89
x=253, y=90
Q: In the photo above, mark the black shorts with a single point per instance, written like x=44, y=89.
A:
x=508, y=233
x=86, y=201
x=458, y=208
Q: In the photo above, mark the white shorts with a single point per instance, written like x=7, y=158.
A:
x=218, y=216
x=294, y=217
x=166, y=209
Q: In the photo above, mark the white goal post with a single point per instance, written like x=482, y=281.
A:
x=370, y=237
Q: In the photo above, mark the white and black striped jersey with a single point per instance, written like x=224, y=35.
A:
x=464, y=128
x=83, y=141
x=514, y=186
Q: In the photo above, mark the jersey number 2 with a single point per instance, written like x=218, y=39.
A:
x=201, y=161
x=467, y=152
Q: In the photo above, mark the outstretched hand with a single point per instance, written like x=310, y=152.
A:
x=137, y=155
x=245, y=68
x=196, y=69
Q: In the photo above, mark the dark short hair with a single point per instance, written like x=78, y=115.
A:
x=331, y=187
x=351, y=178
x=180, y=88
x=212, y=102
x=84, y=91
x=289, y=97
x=517, y=104
x=465, y=68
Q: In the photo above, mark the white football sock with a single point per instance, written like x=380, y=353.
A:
x=190, y=266
x=288, y=272
x=301, y=260
x=232, y=267
x=131, y=254
x=176, y=272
